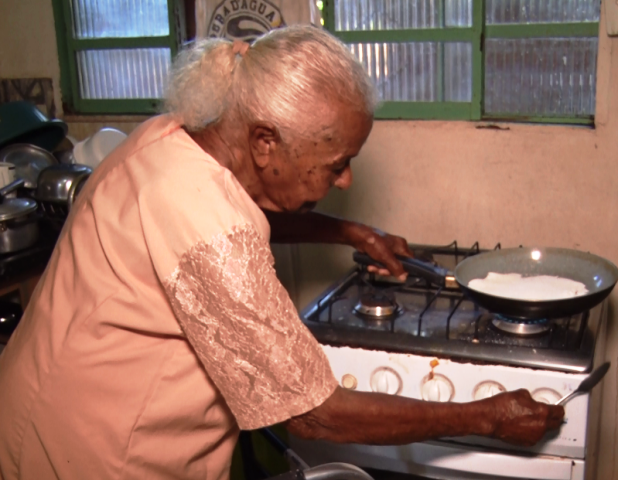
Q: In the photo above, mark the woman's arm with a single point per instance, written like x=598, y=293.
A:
x=313, y=227
x=379, y=419
x=310, y=227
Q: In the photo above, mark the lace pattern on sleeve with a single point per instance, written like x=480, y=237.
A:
x=246, y=331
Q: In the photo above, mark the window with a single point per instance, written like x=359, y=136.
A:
x=527, y=60
x=115, y=54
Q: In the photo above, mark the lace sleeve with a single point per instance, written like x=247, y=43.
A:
x=246, y=331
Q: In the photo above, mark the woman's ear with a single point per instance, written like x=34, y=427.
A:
x=264, y=140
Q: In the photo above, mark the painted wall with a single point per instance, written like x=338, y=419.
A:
x=433, y=182
x=28, y=50
x=28, y=42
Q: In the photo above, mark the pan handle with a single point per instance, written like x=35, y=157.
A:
x=437, y=275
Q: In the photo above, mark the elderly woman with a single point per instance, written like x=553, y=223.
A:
x=159, y=328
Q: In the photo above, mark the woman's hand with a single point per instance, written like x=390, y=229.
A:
x=520, y=420
x=380, y=246
x=314, y=227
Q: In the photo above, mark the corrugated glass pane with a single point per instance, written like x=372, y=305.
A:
x=119, y=18
x=458, y=13
x=123, y=74
x=414, y=71
x=540, y=76
x=541, y=11
x=402, y=71
x=458, y=72
x=386, y=14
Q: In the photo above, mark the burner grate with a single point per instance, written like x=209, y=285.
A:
x=427, y=319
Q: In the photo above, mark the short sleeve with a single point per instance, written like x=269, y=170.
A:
x=232, y=308
x=245, y=330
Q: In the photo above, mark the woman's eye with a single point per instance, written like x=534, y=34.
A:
x=339, y=169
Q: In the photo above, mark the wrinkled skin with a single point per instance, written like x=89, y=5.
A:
x=383, y=247
x=380, y=419
x=521, y=420
x=287, y=179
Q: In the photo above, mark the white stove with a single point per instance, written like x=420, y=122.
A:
x=415, y=340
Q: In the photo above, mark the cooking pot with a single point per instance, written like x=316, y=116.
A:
x=58, y=185
x=19, y=227
x=10, y=315
x=597, y=274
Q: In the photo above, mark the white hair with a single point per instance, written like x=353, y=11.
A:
x=280, y=79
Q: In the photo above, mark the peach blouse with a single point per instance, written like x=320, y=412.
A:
x=158, y=329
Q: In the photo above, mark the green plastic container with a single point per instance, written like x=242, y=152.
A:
x=22, y=122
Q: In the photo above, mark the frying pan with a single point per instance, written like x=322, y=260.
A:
x=598, y=274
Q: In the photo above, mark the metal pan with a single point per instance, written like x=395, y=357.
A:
x=598, y=274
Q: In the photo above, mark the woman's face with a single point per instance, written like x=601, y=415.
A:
x=301, y=173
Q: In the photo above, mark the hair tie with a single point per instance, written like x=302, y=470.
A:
x=240, y=48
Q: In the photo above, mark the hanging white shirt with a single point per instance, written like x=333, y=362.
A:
x=248, y=19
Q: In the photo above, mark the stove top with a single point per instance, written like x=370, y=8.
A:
x=367, y=311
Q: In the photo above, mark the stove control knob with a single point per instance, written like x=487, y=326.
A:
x=546, y=395
x=437, y=388
x=386, y=380
x=349, y=381
x=487, y=389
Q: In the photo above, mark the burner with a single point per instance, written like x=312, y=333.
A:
x=377, y=305
x=518, y=326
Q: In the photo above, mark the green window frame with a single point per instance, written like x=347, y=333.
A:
x=69, y=46
x=476, y=35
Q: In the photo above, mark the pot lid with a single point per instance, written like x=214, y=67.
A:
x=12, y=208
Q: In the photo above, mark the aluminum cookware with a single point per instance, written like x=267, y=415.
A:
x=597, y=274
x=19, y=227
x=29, y=161
x=57, y=184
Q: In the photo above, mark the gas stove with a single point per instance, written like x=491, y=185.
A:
x=430, y=343
x=368, y=311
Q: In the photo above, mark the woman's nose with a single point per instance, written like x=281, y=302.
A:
x=344, y=180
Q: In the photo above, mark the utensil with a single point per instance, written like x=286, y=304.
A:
x=58, y=188
x=587, y=384
x=7, y=173
x=19, y=227
x=56, y=182
x=29, y=161
x=11, y=187
x=10, y=315
x=65, y=156
x=22, y=122
x=596, y=273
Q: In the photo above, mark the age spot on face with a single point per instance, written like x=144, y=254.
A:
x=275, y=172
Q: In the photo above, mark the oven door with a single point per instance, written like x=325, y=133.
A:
x=438, y=460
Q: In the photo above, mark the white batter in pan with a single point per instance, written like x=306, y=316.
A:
x=540, y=287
